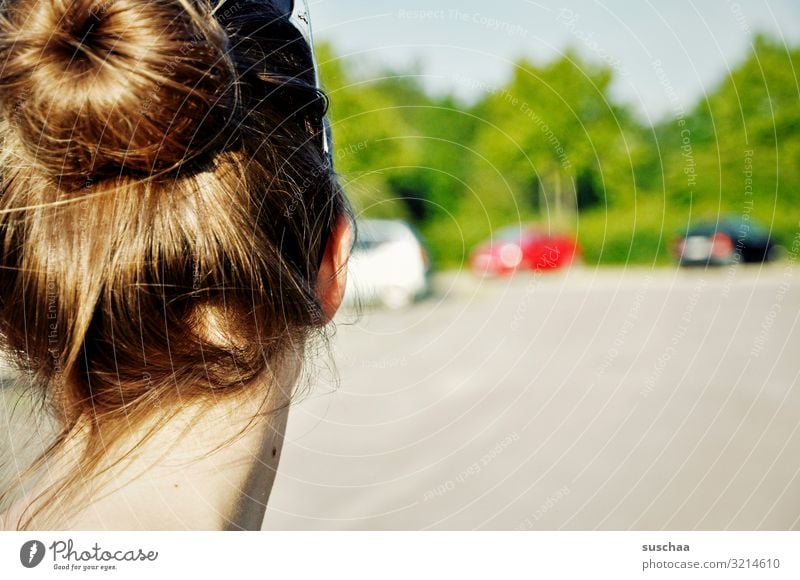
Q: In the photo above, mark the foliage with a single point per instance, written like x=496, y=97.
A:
x=552, y=145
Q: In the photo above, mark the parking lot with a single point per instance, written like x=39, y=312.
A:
x=593, y=398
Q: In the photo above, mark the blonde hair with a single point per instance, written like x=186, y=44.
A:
x=160, y=162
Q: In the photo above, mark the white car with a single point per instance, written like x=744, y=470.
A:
x=388, y=265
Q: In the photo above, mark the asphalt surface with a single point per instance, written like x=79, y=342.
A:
x=589, y=399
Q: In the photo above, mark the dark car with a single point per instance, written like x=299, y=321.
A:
x=523, y=248
x=726, y=241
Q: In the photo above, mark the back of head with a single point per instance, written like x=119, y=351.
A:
x=165, y=199
x=96, y=89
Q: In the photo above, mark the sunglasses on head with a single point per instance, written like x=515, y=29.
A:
x=299, y=16
x=297, y=12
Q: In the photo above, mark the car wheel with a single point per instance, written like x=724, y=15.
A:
x=775, y=252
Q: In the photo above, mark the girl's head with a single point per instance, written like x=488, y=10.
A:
x=169, y=217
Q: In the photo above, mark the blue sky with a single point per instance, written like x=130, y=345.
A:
x=666, y=54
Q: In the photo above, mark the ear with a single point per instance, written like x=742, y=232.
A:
x=332, y=276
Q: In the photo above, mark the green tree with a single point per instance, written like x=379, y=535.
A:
x=553, y=145
x=739, y=151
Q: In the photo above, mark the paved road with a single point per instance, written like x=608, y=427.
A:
x=613, y=399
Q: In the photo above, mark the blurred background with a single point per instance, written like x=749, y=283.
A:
x=574, y=296
x=618, y=124
x=574, y=302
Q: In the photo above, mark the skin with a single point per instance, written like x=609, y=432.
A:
x=199, y=472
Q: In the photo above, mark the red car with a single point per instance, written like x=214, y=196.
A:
x=523, y=248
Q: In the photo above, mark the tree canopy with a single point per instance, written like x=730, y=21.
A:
x=553, y=145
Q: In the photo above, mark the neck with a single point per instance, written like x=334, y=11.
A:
x=208, y=467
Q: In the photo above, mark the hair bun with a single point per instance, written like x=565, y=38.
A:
x=98, y=88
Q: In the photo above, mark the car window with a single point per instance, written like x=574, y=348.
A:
x=703, y=229
x=372, y=233
x=363, y=245
x=513, y=234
